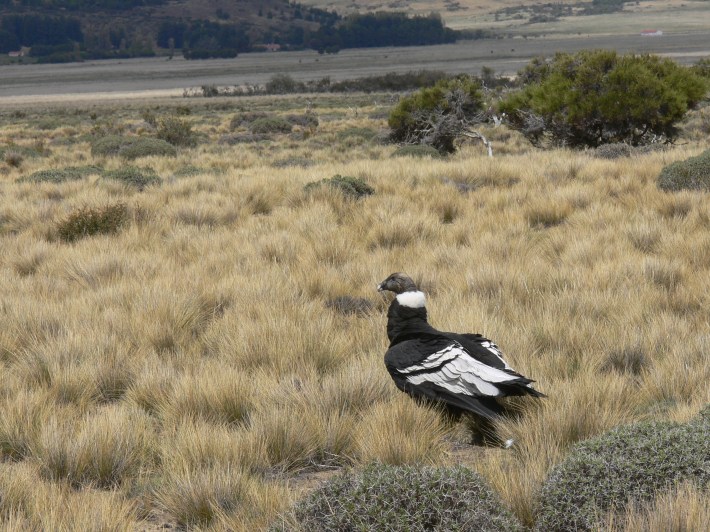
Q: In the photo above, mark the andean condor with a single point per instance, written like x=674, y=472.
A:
x=465, y=372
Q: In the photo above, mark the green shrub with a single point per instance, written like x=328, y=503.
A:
x=60, y=175
x=598, y=97
x=89, y=221
x=416, y=150
x=270, y=124
x=352, y=187
x=401, y=498
x=437, y=115
x=109, y=145
x=176, y=131
x=133, y=176
x=245, y=118
x=629, y=463
x=147, y=147
x=691, y=174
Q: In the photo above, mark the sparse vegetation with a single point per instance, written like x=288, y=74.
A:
x=219, y=355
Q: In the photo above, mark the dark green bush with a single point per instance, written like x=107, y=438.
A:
x=691, y=174
x=416, y=150
x=59, y=175
x=352, y=187
x=270, y=124
x=598, y=97
x=401, y=498
x=89, y=221
x=133, y=176
x=629, y=463
x=176, y=131
x=146, y=147
x=437, y=115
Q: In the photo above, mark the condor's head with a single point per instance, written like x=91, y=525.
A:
x=405, y=289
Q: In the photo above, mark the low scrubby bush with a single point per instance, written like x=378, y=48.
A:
x=245, y=118
x=60, y=175
x=437, y=115
x=416, y=150
x=176, y=131
x=352, y=187
x=109, y=145
x=88, y=221
x=691, y=174
x=307, y=120
x=133, y=176
x=270, y=124
x=147, y=147
x=628, y=464
x=399, y=498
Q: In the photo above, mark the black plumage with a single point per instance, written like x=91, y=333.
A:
x=465, y=372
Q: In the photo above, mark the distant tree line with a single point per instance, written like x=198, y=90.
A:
x=62, y=38
x=38, y=30
x=81, y=5
x=382, y=29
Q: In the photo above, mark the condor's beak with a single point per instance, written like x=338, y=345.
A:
x=380, y=288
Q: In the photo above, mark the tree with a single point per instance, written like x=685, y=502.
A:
x=598, y=97
x=438, y=115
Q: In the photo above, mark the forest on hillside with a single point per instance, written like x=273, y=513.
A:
x=74, y=30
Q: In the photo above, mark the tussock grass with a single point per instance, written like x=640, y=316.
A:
x=193, y=368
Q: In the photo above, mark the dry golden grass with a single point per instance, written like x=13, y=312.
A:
x=188, y=368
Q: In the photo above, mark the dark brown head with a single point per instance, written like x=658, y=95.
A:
x=397, y=283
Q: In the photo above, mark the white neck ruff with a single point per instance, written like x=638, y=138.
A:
x=412, y=299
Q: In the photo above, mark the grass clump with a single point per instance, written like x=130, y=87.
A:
x=351, y=187
x=627, y=465
x=60, y=175
x=88, y=221
x=417, y=150
x=382, y=497
x=134, y=176
x=691, y=174
x=270, y=124
x=614, y=150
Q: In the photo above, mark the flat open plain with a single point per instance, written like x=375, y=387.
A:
x=159, y=76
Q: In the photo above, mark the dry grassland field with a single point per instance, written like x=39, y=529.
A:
x=194, y=365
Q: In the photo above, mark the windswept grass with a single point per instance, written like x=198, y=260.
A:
x=194, y=366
